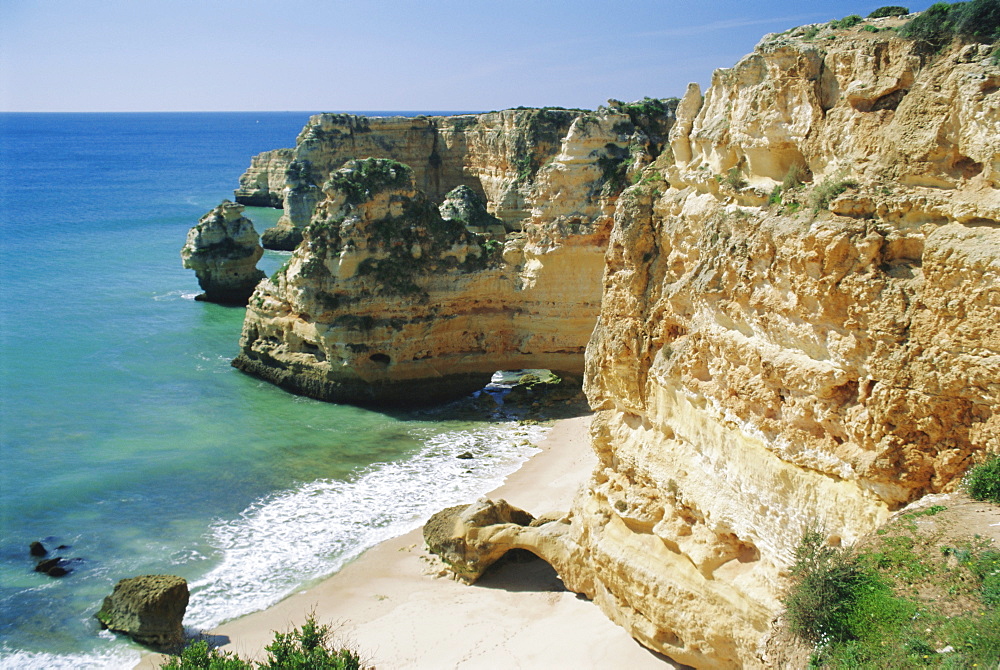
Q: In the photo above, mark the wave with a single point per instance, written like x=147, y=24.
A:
x=114, y=659
x=298, y=536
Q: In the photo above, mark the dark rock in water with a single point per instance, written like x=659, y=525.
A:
x=61, y=547
x=38, y=549
x=465, y=455
x=149, y=609
x=281, y=238
x=53, y=567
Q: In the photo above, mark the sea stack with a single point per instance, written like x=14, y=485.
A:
x=223, y=250
x=149, y=609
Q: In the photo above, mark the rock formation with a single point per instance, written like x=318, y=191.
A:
x=223, y=250
x=149, y=609
x=800, y=329
x=461, y=204
x=385, y=301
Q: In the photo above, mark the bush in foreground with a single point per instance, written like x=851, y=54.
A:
x=306, y=648
x=903, y=601
x=983, y=481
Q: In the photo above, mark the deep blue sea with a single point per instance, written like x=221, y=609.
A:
x=127, y=436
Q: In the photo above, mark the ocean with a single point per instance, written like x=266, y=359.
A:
x=125, y=435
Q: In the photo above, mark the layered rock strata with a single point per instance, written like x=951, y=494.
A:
x=386, y=301
x=496, y=155
x=800, y=329
x=223, y=250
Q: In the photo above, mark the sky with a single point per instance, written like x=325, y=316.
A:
x=389, y=55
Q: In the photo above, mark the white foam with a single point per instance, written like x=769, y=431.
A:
x=176, y=295
x=117, y=659
x=298, y=536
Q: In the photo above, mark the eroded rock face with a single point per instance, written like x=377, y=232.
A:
x=497, y=156
x=817, y=362
x=149, y=609
x=759, y=371
x=385, y=301
x=223, y=250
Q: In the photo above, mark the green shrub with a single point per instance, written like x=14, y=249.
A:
x=734, y=179
x=306, y=648
x=891, y=10
x=983, y=481
x=775, y=197
x=977, y=20
x=830, y=189
x=846, y=22
x=199, y=656
x=795, y=177
x=811, y=32
x=836, y=597
x=933, y=26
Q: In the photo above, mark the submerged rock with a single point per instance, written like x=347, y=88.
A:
x=149, y=609
x=37, y=549
x=223, y=250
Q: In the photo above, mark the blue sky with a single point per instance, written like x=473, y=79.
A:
x=228, y=55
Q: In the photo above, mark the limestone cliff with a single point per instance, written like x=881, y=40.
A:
x=223, y=250
x=384, y=300
x=760, y=370
x=800, y=328
x=497, y=155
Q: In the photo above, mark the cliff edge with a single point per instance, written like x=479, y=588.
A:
x=799, y=329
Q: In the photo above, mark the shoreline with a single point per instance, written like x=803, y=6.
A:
x=398, y=608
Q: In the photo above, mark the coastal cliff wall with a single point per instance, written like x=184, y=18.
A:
x=799, y=330
x=383, y=301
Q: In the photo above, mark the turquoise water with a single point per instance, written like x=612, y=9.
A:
x=125, y=433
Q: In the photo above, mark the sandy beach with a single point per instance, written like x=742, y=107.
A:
x=394, y=605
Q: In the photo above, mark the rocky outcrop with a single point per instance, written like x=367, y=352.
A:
x=149, y=609
x=461, y=204
x=495, y=155
x=386, y=301
x=798, y=331
x=223, y=250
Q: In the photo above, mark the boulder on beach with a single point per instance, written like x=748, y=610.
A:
x=149, y=609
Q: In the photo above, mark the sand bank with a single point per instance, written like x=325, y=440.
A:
x=395, y=608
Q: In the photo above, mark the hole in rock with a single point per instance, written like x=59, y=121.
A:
x=382, y=359
x=521, y=570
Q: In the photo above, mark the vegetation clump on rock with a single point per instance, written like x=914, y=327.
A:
x=360, y=180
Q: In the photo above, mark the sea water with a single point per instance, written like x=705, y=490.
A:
x=126, y=435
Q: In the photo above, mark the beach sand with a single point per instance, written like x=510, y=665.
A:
x=396, y=609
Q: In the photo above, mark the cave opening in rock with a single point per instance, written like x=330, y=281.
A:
x=382, y=359
x=521, y=570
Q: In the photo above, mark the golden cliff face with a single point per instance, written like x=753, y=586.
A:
x=763, y=369
x=385, y=302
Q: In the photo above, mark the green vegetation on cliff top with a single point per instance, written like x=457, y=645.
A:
x=360, y=180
